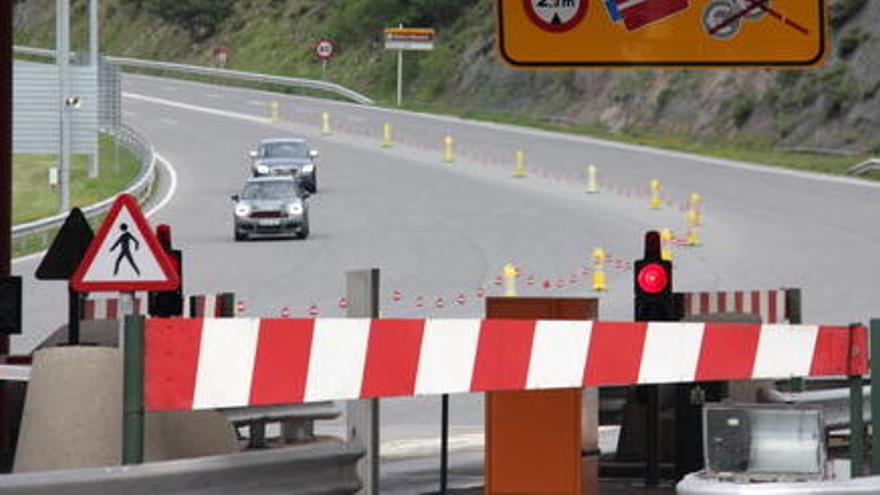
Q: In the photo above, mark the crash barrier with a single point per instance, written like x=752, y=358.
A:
x=297, y=422
x=218, y=363
x=196, y=306
x=214, y=72
x=699, y=484
x=773, y=306
x=324, y=467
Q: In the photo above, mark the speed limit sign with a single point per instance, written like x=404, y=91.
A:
x=325, y=49
x=556, y=15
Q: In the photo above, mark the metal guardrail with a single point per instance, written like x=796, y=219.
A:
x=326, y=467
x=872, y=165
x=140, y=188
x=834, y=403
x=221, y=73
x=698, y=484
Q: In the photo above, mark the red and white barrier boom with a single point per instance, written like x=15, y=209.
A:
x=214, y=363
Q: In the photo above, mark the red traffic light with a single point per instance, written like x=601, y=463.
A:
x=653, y=278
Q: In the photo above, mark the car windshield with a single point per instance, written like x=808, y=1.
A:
x=286, y=149
x=269, y=190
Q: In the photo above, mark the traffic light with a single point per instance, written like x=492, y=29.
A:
x=168, y=303
x=654, y=299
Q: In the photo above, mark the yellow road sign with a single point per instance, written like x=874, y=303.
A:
x=625, y=33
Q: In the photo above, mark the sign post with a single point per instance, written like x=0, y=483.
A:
x=400, y=39
x=125, y=256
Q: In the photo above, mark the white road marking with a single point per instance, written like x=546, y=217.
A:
x=196, y=108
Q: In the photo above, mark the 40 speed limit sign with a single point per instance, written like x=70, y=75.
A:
x=325, y=49
x=556, y=15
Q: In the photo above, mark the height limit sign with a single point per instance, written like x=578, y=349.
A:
x=556, y=15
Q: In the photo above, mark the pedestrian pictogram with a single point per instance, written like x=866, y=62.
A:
x=626, y=33
x=125, y=255
x=556, y=15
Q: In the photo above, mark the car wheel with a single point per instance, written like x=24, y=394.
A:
x=303, y=232
x=240, y=236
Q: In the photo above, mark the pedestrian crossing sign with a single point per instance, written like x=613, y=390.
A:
x=125, y=255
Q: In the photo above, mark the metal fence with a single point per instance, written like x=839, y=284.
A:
x=141, y=188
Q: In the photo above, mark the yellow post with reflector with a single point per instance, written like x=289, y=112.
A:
x=666, y=236
x=519, y=170
x=694, y=205
x=325, y=124
x=656, y=200
x=510, y=273
x=693, y=236
x=274, y=111
x=592, y=180
x=386, y=136
x=448, y=150
x=599, y=282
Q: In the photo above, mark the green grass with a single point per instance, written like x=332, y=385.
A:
x=33, y=198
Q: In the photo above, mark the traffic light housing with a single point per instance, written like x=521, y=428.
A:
x=654, y=298
x=168, y=303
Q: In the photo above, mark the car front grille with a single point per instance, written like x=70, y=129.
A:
x=267, y=214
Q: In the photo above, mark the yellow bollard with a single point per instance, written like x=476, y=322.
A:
x=519, y=170
x=386, y=136
x=656, y=201
x=511, y=273
x=694, y=205
x=448, y=152
x=592, y=181
x=325, y=124
x=274, y=111
x=666, y=237
x=599, y=257
x=693, y=235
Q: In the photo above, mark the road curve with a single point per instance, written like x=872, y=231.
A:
x=439, y=230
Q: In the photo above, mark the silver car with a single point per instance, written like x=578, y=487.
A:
x=286, y=156
x=270, y=207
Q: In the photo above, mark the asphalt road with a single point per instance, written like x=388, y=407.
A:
x=440, y=230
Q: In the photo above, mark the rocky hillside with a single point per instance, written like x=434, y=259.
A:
x=837, y=105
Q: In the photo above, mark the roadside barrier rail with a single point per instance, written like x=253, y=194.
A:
x=866, y=166
x=222, y=363
x=295, y=82
x=140, y=188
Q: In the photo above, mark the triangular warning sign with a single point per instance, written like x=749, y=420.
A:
x=125, y=255
x=67, y=249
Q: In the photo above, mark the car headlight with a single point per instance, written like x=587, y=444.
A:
x=295, y=208
x=262, y=170
x=242, y=210
x=308, y=169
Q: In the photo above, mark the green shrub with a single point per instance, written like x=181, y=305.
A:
x=850, y=42
x=743, y=106
x=844, y=10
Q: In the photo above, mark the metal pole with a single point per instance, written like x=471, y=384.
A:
x=795, y=317
x=94, y=160
x=73, y=316
x=875, y=397
x=62, y=58
x=444, y=443
x=399, y=77
x=133, y=378
x=324, y=70
x=857, y=424
x=6, y=12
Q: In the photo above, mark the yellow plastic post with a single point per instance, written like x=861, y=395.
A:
x=666, y=236
x=325, y=124
x=592, y=182
x=386, y=136
x=510, y=273
x=448, y=152
x=656, y=201
x=693, y=222
x=519, y=170
x=694, y=205
x=599, y=257
x=274, y=111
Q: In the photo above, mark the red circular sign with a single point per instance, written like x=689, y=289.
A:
x=556, y=16
x=325, y=49
x=653, y=279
